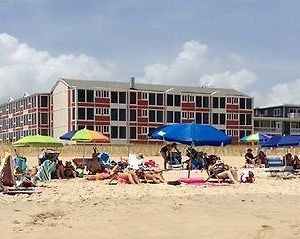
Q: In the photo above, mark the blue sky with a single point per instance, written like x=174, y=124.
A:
x=145, y=39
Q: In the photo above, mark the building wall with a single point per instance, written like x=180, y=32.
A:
x=60, y=109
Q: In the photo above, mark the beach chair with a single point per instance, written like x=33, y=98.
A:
x=175, y=161
x=104, y=159
x=45, y=171
x=277, y=165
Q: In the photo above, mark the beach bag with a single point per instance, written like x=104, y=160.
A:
x=247, y=176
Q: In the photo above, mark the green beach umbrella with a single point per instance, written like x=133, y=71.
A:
x=86, y=135
x=37, y=141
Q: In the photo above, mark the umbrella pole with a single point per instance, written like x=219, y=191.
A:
x=190, y=164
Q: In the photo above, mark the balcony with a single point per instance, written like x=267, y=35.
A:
x=293, y=115
x=267, y=130
x=295, y=131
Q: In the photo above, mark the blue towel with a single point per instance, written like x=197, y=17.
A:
x=45, y=171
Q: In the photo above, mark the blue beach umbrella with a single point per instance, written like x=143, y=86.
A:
x=282, y=141
x=192, y=134
x=68, y=135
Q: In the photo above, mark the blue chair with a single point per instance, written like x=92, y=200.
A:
x=275, y=161
x=104, y=159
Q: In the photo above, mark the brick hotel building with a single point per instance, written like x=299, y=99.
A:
x=126, y=112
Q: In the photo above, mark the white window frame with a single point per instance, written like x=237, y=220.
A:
x=191, y=115
x=144, y=130
x=184, y=115
x=144, y=95
x=144, y=113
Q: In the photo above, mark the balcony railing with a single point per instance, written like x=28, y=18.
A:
x=293, y=115
x=267, y=130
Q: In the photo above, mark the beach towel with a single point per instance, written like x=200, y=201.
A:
x=134, y=162
x=45, y=171
x=198, y=181
x=104, y=159
x=20, y=163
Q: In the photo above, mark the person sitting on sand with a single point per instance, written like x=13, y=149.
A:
x=296, y=162
x=249, y=159
x=288, y=159
x=223, y=171
x=70, y=171
x=260, y=159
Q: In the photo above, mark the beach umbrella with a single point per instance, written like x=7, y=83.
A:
x=68, y=135
x=86, y=135
x=282, y=141
x=192, y=134
x=256, y=138
x=37, y=141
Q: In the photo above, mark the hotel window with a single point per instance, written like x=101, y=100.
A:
x=122, y=132
x=170, y=116
x=132, y=98
x=81, y=114
x=144, y=130
x=191, y=98
x=215, y=102
x=242, y=119
x=114, y=97
x=249, y=103
x=185, y=98
x=98, y=93
x=248, y=119
x=89, y=96
x=242, y=134
x=177, y=100
x=98, y=111
x=122, y=97
x=222, y=102
x=122, y=115
x=144, y=95
x=228, y=100
x=132, y=115
x=159, y=116
x=90, y=113
x=205, y=102
x=105, y=93
x=205, y=118
x=73, y=97
x=229, y=132
x=81, y=95
x=199, y=118
x=177, y=118
x=105, y=111
x=44, y=118
x=105, y=129
x=192, y=115
x=144, y=113
x=151, y=115
x=114, y=114
x=222, y=119
x=159, y=99
x=215, y=118
x=170, y=100
x=44, y=101
x=235, y=100
x=132, y=133
x=242, y=103
x=185, y=114
x=199, y=101
x=235, y=132
x=114, y=132
x=151, y=99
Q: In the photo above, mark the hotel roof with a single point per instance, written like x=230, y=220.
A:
x=113, y=85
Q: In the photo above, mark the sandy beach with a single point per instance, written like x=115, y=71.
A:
x=78, y=208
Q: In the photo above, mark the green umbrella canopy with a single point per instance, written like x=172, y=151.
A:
x=37, y=141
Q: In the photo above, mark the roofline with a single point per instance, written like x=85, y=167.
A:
x=22, y=98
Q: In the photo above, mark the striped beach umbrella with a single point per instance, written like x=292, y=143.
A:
x=86, y=135
x=256, y=138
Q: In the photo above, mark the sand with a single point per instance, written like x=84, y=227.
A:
x=84, y=209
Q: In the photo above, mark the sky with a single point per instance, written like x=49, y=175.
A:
x=249, y=45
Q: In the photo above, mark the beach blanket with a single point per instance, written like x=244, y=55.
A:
x=20, y=163
x=45, y=171
x=198, y=181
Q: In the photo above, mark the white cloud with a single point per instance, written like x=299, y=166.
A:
x=23, y=68
x=282, y=93
x=194, y=67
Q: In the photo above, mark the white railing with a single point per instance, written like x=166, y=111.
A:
x=267, y=130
